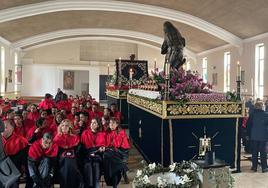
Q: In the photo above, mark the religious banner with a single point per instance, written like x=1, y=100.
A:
x=68, y=80
x=134, y=70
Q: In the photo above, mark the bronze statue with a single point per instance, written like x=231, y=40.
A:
x=173, y=46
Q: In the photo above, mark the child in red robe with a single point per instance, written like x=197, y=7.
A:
x=116, y=153
x=93, y=142
x=41, y=161
x=68, y=143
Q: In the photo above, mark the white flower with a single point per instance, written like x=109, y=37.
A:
x=161, y=183
x=179, y=181
x=172, y=167
x=186, y=178
x=139, y=172
x=152, y=166
x=145, y=179
x=188, y=170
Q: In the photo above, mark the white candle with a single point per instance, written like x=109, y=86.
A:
x=130, y=74
x=108, y=69
x=154, y=64
x=238, y=73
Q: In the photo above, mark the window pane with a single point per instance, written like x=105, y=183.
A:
x=261, y=48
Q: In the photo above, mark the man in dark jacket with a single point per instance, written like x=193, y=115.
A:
x=257, y=131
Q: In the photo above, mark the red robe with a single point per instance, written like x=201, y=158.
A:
x=117, y=140
x=14, y=144
x=91, y=140
x=25, y=128
x=118, y=115
x=66, y=141
x=95, y=114
x=70, y=116
x=40, y=134
x=33, y=116
x=64, y=104
x=46, y=104
x=36, y=151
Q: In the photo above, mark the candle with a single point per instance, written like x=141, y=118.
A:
x=108, y=70
x=130, y=73
x=119, y=59
x=155, y=64
x=238, y=73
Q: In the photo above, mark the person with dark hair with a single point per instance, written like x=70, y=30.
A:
x=68, y=144
x=105, y=120
x=64, y=104
x=95, y=113
x=16, y=147
x=41, y=161
x=37, y=132
x=71, y=115
x=115, y=113
x=58, y=96
x=33, y=114
x=22, y=127
x=116, y=153
x=56, y=122
x=47, y=103
x=84, y=119
x=93, y=144
x=257, y=132
x=10, y=114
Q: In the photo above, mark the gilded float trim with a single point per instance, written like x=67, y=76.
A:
x=117, y=94
x=172, y=110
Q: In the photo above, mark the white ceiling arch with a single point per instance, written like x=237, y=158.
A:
x=43, y=38
x=118, y=6
x=90, y=38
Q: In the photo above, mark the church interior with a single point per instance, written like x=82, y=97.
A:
x=134, y=93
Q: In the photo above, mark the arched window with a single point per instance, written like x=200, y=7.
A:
x=2, y=63
x=227, y=64
x=259, y=70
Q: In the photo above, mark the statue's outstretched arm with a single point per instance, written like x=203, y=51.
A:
x=164, y=47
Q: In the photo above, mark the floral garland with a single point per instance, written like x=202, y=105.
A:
x=187, y=175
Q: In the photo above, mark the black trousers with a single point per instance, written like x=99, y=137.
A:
x=258, y=146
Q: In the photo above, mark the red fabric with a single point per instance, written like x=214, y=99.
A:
x=70, y=116
x=95, y=114
x=54, y=128
x=117, y=140
x=25, y=128
x=21, y=102
x=64, y=104
x=66, y=141
x=36, y=150
x=14, y=144
x=118, y=115
x=89, y=139
x=46, y=104
x=33, y=116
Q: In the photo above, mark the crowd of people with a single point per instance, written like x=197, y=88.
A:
x=66, y=140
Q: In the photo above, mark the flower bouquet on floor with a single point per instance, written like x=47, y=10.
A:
x=178, y=175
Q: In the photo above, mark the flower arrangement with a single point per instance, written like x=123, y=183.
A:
x=182, y=83
x=178, y=175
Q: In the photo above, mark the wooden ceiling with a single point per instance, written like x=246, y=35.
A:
x=243, y=18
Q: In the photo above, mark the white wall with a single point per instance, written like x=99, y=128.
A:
x=246, y=57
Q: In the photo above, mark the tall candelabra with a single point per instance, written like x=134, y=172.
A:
x=238, y=82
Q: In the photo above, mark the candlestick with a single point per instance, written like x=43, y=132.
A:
x=238, y=71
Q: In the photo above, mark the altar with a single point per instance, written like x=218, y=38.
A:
x=167, y=131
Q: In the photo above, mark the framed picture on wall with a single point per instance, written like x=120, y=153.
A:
x=18, y=74
x=68, y=80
